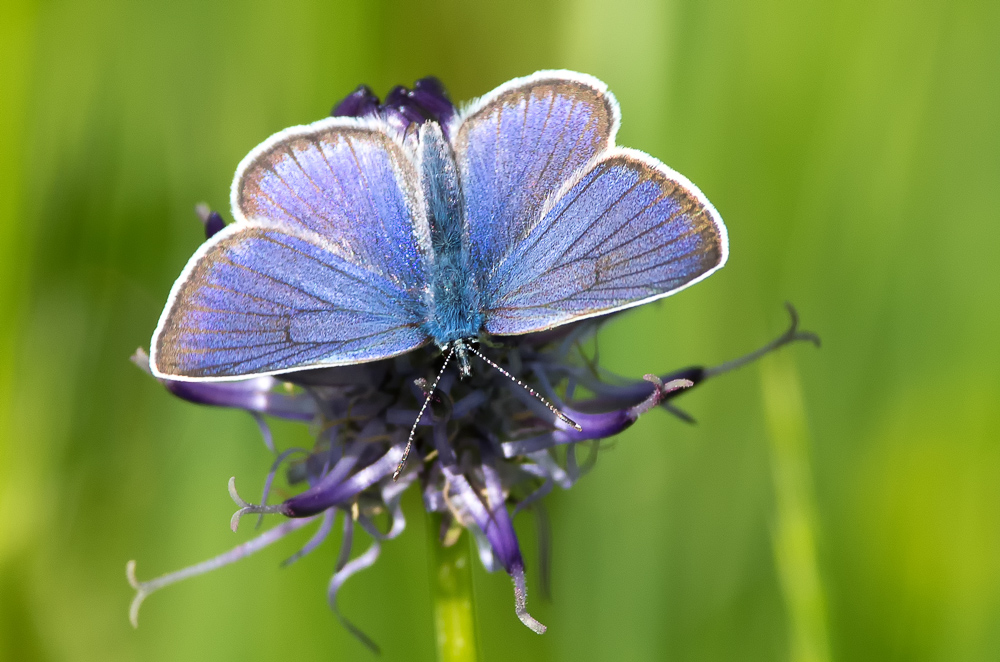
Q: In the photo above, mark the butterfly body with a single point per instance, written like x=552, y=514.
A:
x=354, y=240
x=454, y=311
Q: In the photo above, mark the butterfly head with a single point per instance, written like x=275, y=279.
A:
x=462, y=356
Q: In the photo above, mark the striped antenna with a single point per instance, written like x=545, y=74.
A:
x=561, y=416
x=423, y=408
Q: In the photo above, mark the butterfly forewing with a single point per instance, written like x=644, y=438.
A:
x=325, y=266
x=348, y=181
x=516, y=147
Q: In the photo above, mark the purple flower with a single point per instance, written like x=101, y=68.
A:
x=428, y=100
x=212, y=220
x=485, y=451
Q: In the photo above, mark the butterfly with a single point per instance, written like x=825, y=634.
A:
x=354, y=241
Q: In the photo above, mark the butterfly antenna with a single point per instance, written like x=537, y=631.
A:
x=561, y=416
x=423, y=407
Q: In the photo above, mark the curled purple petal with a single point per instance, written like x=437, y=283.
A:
x=486, y=555
x=429, y=94
x=532, y=498
x=255, y=394
x=469, y=404
x=212, y=220
x=362, y=101
x=344, y=572
x=269, y=480
x=403, y=108
x=623, y=395
x=545, y=461
x=325, y=526
x=500, y=529
x=493, y=521
x=441, y=444
x=346, y=542
x=143, y=589
x=597, y=426
x=330, y=493
x=265, y=430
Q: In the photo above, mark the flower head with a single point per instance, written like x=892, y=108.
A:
x=485, y=448
x=402, y=108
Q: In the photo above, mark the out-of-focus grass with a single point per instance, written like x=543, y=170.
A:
x=839, y=503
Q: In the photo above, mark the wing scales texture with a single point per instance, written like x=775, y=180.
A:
x=351, y=184
x=562, y=224
x=265, y=300
x=628, y=231
x=326, y=264
x=517, y=147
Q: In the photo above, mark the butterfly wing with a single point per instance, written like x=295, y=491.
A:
x=516, y=146
x=326, y=264
x=590, y=228
x=626, y=231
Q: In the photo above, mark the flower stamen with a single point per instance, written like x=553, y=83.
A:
x=245, y=506
x=144, y=589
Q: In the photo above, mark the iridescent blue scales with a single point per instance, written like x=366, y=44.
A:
x=357, y=239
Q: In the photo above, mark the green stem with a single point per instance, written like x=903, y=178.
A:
x=451, y=588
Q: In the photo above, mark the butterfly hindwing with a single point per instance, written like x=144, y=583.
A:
x=625, y=231
x=326, y=264
x=262, y=299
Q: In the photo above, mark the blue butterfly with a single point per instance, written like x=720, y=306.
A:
x=355, y=241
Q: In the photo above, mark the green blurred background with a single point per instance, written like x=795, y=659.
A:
x=833, y=504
